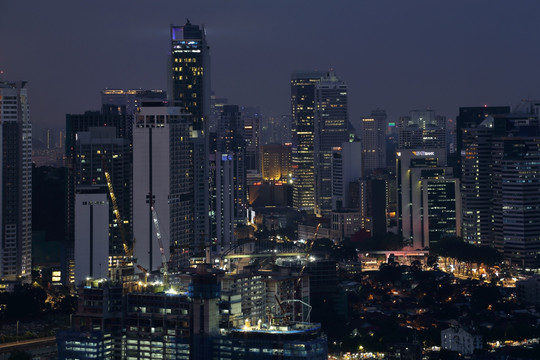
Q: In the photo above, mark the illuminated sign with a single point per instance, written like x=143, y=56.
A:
x=423, y=153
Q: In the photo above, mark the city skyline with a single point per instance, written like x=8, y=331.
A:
x=398, y=57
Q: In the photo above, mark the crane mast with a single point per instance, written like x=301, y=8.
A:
x=160, y=242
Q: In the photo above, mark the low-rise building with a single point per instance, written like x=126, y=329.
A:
x=460, y=340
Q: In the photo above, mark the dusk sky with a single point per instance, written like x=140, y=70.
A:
x=397, y=55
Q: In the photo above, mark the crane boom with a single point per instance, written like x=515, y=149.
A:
x=161, y=250
x=116, y=212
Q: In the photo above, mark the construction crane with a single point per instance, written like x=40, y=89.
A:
x=308, y=253
x=160, y=242
x=127, y=249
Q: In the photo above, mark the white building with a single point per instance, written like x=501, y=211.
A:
x=460, y=340
x=91, y=235
x=346, y=168
x=429, y=202
x=15, y=182
x=151, y=178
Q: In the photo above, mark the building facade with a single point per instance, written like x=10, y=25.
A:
x=15, y=181
x=373, y=135
x=189, y=89
x=303, y=129
x=331, y=131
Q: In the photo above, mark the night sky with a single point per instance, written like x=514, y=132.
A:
x=398, y=55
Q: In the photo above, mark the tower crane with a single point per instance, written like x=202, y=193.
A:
x=127, y=249
x=160, y=242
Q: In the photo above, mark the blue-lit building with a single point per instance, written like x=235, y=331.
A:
x=78, y=345
x=294, y=341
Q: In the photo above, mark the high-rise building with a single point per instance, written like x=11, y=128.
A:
x=75, y=123
x=422, y=129
x=373, y=136
x=476, y=183
x=499, y=162
x=331, y=130
x=303, y=129
x=15, y=181
x=428, y=197
x=516, y=199
x=154, y=149
x=189, y=89
x=346, y=168
x=99, y=151
x=251, y=117
x=231, y=142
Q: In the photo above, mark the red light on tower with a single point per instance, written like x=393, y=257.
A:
x=485, y=105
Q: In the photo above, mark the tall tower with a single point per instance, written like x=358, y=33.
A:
x=15, y=181
x=189, y=89
x=75, y=123
x=154, y=148
x=331, y=130
x=232, y=143
x=303, y=129
x=373, y=134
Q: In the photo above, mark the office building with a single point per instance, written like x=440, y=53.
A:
x=476, y=183
x=516, y=199
x=303, y=129
x=276, y=162
x=372, y=132
x=189, y=89
x=422, y=129
x=499, y=161
x=331, y=130
x=15, y=181
x=346, y=169
x=426, y=190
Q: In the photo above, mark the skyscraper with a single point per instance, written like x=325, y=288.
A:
x=154, y=150
x=189, y=89
x=373, y=134
x=303, y=129
x=516, y=198
x=109, y=117
x=500, y=160
x=15, y=181
x=331, y=130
